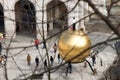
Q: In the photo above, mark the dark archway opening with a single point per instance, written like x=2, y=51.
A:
x=2, y=29
x=25, y=18
x=56, y=16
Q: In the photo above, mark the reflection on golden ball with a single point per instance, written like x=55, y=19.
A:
x=72, y=43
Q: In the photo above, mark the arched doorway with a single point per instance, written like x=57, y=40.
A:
x=2, y=30
x=25, y=17
x=56, y=16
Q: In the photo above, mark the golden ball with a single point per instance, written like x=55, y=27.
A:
x=72, y=43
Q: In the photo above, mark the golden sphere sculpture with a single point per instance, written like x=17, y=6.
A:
x=72, y=43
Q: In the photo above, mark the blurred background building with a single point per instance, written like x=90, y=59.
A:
x=27, y=17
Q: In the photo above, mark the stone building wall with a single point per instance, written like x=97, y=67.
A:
x=10, y=19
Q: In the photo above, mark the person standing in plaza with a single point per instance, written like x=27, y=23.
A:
x=74, y=24
x=45, y=64
x=51, y=60
x=28, y=59
x=93, y=59
x=58, y=58
x=55, y=47
x=101, y=63
x=36, y=43
x=69, y=67
x=37, y=61
x=2, y=60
